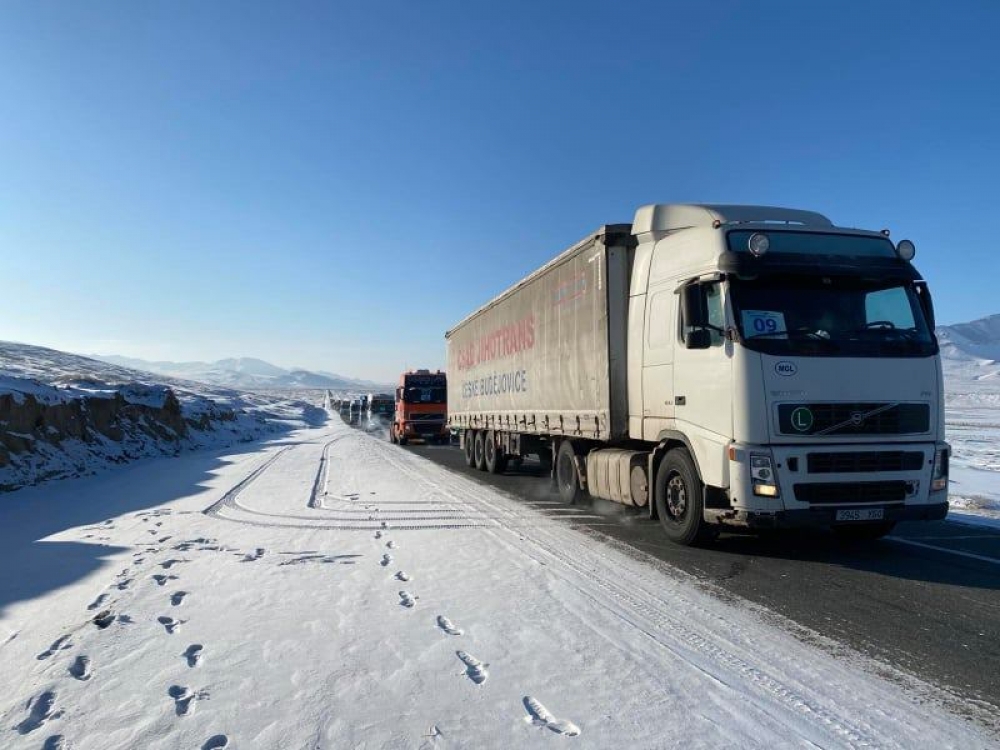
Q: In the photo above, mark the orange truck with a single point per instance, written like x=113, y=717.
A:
x=421, y=408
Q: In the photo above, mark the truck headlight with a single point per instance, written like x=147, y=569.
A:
x=765, y=484
x=939, y=474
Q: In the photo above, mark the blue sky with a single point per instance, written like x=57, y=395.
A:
x=333, y=185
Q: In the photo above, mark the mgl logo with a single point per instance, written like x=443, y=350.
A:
x=786, y=369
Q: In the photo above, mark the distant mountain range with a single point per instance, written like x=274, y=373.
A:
x=243, y=372
x=971, y=351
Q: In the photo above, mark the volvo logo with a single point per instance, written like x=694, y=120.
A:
x=857, y=418
x=785, y=368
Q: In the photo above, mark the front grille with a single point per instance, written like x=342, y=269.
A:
x=851, y=492
x=426, y=428
x=429, y=417
x=853, y=419
x=854, y=462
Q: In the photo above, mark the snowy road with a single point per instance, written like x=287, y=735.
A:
x=334, y=591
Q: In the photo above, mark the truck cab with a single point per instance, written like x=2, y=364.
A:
x=421, y=408
x=381, y=407
x=795, y=366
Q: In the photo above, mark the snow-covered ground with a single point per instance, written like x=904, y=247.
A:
x=970, y=354
x=332, y=591
x=216, y=416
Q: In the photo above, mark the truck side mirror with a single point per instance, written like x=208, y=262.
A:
x=698, y=338
x=693, y=306
x=926, y=304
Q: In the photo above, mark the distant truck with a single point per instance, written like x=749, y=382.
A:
x=723, y=366
x=380, y=410
x=421, y=408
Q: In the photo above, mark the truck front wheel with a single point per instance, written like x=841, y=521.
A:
x=679, y=499
x=567, y=479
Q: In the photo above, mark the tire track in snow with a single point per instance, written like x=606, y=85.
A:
x=706, y=652
x=229, y=507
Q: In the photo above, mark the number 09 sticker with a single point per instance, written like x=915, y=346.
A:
x=764, y=322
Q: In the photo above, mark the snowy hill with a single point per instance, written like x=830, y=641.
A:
x=243, y=372
x=969, y=358
x=971, y=351
x=65, y=415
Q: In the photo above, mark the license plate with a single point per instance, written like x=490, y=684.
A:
x=861, y=514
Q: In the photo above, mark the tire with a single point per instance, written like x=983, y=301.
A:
x=494, y=460
x=680, y=499
x=479, y=446
x=867, y=532
x=470, y=448
x=392, y=433
x=567, y=479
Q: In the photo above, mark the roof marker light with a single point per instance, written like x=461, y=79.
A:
x=759, y=244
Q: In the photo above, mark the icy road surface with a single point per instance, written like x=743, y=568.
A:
x=334, y=591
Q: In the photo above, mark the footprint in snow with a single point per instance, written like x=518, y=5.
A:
x=98, y=602
x=170, y=624
x=390, y=544
x=378, y=534
x=177, y=598
x=104, y=619
x=540, y=716
x=55, y=742
x=217, y=742
x=386, y=560
x=474, y=668
x=60, y=643
x=406, y=599
x=256, y=555
x=80, y=668
x=402, y=576
x=161, y=580
x=448, y=626
x=185, y=699
x=193, y=654
x=168, y=564
x=40, y=710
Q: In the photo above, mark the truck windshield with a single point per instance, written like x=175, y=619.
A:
x=831, y=316
x=424, y=395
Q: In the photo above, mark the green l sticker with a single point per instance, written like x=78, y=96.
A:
x=802, y=419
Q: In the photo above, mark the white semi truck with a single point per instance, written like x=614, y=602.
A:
x=723, y=366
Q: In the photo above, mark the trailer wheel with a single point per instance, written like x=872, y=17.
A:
x=494, y=460
x=479, y=445
x=680, y=499
x=567, y=479
x=468, y=445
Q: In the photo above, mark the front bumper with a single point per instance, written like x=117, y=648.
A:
x=417, y=430
x=825, y=517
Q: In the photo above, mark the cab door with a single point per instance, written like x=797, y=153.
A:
x=657, y=366
x=703, y=377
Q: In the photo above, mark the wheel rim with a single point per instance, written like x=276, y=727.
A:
x=676, y=497
x=490, y=449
